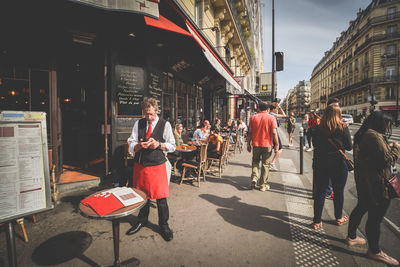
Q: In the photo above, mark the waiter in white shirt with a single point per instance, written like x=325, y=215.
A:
x=151, y=139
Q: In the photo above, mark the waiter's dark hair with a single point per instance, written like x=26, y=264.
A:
x=263, y=106
x=149, y=102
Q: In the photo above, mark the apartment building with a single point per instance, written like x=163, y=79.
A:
x=361, y=69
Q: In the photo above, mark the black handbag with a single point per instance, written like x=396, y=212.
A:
x=349, y=162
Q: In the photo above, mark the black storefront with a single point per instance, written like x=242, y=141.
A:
x=89, y=68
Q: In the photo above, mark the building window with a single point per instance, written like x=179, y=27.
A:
x=390, y=94
x=391, y=50
x=391, y=12
x=366, y=58
x=198, y=13
x=356, y=65
x=391, y=30
x=366, y=75
x=390, y=73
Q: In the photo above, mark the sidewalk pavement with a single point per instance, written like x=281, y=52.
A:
x=222, y=223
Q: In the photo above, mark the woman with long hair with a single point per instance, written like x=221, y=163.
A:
x=178, y=134
x=373, y=159
x=328, y=163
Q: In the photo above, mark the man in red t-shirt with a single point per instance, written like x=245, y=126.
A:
x=262, y=132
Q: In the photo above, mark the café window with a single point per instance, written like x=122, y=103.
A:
x=168, y=100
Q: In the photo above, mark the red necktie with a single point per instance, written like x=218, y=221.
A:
x=149, y=131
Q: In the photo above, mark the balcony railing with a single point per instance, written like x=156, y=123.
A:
x=377, y=79
x=377, y=38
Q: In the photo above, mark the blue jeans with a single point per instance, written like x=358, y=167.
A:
x=336, y=170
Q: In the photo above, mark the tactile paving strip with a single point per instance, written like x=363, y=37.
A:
x=311, y=247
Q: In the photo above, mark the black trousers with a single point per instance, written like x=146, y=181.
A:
x=163, y=212
x=373, y=226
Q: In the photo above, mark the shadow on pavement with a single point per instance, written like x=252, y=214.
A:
x=62, y=248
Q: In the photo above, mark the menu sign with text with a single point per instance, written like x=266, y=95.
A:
x=129, y=91
x=23, y=168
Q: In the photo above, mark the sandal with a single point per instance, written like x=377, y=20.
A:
x=316, y=226
x=342, y=221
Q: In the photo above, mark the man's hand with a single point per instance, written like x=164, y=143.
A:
x=153, y=144
x=248, y=147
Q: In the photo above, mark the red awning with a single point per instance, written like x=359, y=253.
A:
x=165, y=24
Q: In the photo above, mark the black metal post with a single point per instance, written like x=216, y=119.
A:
x=301, y=134
x=12, y=252
x=273, y=52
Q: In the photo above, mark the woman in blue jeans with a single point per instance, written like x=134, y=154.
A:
x=328, y=163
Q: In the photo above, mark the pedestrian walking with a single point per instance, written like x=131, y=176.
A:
x=328, y=163
x=150, y=140
x=291, y=125
x=373, y=159
x=276, y=111
x=313, y=122
x=262, y=132
x=304, y=124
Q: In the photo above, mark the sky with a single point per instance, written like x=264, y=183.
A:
x=304, y=30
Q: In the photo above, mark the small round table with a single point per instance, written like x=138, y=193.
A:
x=115, y=218
x=186, y=148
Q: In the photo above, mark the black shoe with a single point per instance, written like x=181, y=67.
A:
x=136, y=227
x=166, y=233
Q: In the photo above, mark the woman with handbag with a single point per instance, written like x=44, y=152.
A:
x=373, y=158
x=330, y=136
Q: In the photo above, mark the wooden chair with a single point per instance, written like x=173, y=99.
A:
x=220, y=160
x=201, y=165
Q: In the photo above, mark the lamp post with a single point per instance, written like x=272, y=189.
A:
x=273, y=51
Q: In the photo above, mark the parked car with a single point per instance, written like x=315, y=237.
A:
x=348, y=118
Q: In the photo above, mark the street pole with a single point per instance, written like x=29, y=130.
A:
x=273, y=51
x=301, y=134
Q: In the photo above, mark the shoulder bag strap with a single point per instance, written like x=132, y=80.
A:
x=340, y=151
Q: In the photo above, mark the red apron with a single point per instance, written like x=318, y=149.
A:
x=152, y=180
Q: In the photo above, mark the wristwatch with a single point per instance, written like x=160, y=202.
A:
x=159, y=146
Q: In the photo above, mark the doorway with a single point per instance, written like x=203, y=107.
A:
x=82, y=109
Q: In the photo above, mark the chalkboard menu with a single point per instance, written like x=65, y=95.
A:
x=129, y=91
x=154, y=84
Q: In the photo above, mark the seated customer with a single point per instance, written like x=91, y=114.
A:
x=215, y=141
x=201, y=133
x=178, y=134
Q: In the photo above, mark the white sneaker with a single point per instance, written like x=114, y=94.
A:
x=310, y=149
x=304, y=147
x=272, y=167
x=290, y=144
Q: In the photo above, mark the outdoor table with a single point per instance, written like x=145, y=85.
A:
x=115, y=218
x=186, y=148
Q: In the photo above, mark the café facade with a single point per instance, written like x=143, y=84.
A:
x=89, y=66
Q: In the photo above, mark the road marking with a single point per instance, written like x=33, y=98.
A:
x=311, y=247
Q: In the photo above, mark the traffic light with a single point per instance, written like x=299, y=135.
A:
x=279, y=61
x=373, y=102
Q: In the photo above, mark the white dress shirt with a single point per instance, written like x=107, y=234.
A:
x=167, y=135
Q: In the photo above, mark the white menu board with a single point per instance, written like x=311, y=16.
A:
x=24, y=171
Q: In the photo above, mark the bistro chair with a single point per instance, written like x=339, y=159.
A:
x=220, y=160
x=200, y=166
